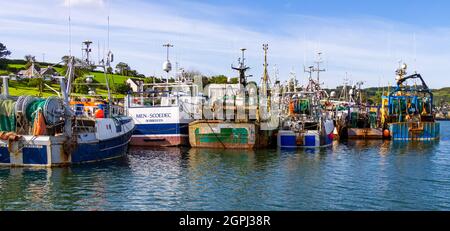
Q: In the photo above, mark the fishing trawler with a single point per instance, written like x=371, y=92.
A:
x=162, y=111
x=354, y=118
x=305, y=124
x=49, y=132
x=234, y=115
x=162, y=114
x=407, y=111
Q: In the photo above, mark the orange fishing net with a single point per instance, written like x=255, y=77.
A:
x=39, y=126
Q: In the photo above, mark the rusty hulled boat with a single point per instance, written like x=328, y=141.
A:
x=235, y=115
x=356, y=119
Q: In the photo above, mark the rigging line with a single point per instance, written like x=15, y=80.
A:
x=415, y=50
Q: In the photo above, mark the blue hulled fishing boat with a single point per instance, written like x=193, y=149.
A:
x=305, y=123
x=48, y=132
x=407, y=111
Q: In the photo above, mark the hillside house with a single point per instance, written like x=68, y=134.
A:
x=136, y=85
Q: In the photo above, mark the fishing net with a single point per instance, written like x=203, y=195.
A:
x=7, y=115
x=354, y=119
x=33, y=108
x=341, y=108
x=403, y=105
x=373, y=119
x=302, y=107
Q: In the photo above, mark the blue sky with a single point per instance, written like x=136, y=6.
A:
x=365, y=39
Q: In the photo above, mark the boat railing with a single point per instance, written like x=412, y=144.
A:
x=83, y=129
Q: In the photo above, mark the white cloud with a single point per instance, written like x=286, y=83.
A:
x=367, y=48
x=91, y=3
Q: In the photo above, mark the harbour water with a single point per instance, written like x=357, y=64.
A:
x=358, y=175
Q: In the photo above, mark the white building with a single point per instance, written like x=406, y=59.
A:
x=135, y=85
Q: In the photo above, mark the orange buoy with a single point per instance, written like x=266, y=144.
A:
x=386, y=133
x=99, y=113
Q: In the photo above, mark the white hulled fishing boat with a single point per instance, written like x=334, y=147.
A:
x=162, y=111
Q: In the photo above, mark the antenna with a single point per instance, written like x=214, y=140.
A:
x=304, y=50
x=415, y=50
x=242, y=68
x=318, y=70
x=276, y=73
x=344, y=93
x=293, y=80
x=110, y=55
x=104, y=52
x=168, y=45
x=359, y=96
x=107, y=41
x=310, y=70
x=70, y=31
x=86, y=50
x=98, y=51
x=243, y=55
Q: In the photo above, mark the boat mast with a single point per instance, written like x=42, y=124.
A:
x=242, y=68
x=69, y=76
x=359, y=92
x=344, y=93
x=86, y=50
x=266, y=80
x=310, y=70
x=265, y=83
x=318, y=70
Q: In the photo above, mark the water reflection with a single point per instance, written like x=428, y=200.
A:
x=405, y=148
x=355, y=175
x=28, y=189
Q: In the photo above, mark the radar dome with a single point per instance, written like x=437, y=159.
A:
x=167, y=66
x=333, y=94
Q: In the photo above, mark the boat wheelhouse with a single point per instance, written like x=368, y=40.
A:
x=162, y=113
x=305, y=125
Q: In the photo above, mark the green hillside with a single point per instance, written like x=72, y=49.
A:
x=441, y=95
x=99, y=76
x=373, y=94
x=20, y=88
x=113, y=78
